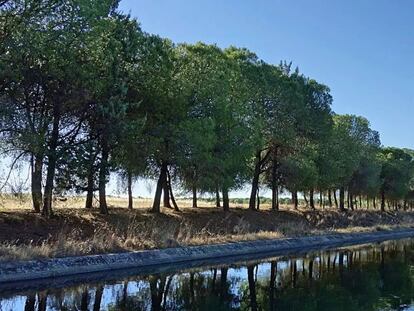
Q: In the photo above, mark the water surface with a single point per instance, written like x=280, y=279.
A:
x=374, y=277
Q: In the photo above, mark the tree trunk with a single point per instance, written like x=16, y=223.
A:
x=294, y=270
x=295, y=199
x=374, y=202
x=124, y=298
x=194, y=196
x=311, y=199
x=171, y=192
x=37, y=169
x=223, y=283
x=130, y=198
x=191, y=287
x=351, y=200
x=213, y=281
x=157, y=287
x=310, y=270
x=98, y=298
x=272, y=285
x=90, y=188
x=335, y=198
x=217, y=198
x=84, y=300
x=30, y=303
x=103, y=171
x=255, y=182
x=330, y=198
x=252, y=288
x=52, y=159
x=275, y=199
x=342, y=199
x=89, y=199
x=156, y=206
x=42, y=304
x=347, y=199
x=382, y=201
x=226, y=203
x=306, y=200
x=166, y=192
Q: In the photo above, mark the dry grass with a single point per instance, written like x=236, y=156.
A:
x=137, y=236
x=76, y=231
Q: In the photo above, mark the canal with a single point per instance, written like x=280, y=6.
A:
x=366, y=277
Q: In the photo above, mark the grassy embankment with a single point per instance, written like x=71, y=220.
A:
x=76, y=231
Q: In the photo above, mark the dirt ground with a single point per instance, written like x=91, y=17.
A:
x=75, y=231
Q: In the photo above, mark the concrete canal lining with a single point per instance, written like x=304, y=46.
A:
x=15, y=271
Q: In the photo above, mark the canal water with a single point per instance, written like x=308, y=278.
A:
x=371, y=277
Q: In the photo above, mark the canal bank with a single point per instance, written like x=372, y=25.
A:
x=15, y=271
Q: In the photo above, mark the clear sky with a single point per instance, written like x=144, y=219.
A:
x=362, y=49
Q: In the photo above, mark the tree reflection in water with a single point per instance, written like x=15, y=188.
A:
x=372, y=278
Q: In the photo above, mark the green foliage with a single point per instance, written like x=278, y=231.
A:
x=352, y=142
x=300, y=171
x=83, y=91
x=396, y=173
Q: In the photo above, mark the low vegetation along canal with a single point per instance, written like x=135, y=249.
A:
x=374, y=277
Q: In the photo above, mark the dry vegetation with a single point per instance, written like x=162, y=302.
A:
x=76, y=231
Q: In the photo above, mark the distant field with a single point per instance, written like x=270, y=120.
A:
x=24, y=202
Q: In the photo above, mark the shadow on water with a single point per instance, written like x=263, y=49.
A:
x=376, y=277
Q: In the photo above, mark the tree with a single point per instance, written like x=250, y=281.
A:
x=396, y=174
x=299, y=171
x=201, y=73
x=301, y=116
x=352, y=141
x=130, y=153
x=229, y=112
x=163, y=103
x=42, y=89
x=113, y=54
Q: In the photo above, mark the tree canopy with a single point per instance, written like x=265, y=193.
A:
x=85, y=92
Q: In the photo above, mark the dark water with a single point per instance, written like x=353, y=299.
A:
x=375, y=277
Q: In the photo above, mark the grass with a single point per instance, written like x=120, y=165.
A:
x=73, y=230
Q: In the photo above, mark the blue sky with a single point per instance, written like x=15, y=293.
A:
x=361, y=49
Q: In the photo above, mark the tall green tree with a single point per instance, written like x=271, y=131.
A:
x=113, y=55
x=41, y=77
x=164, y=105
x=396, y=174
x=352, y=141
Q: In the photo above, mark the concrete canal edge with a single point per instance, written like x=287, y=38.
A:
x=15, y=271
